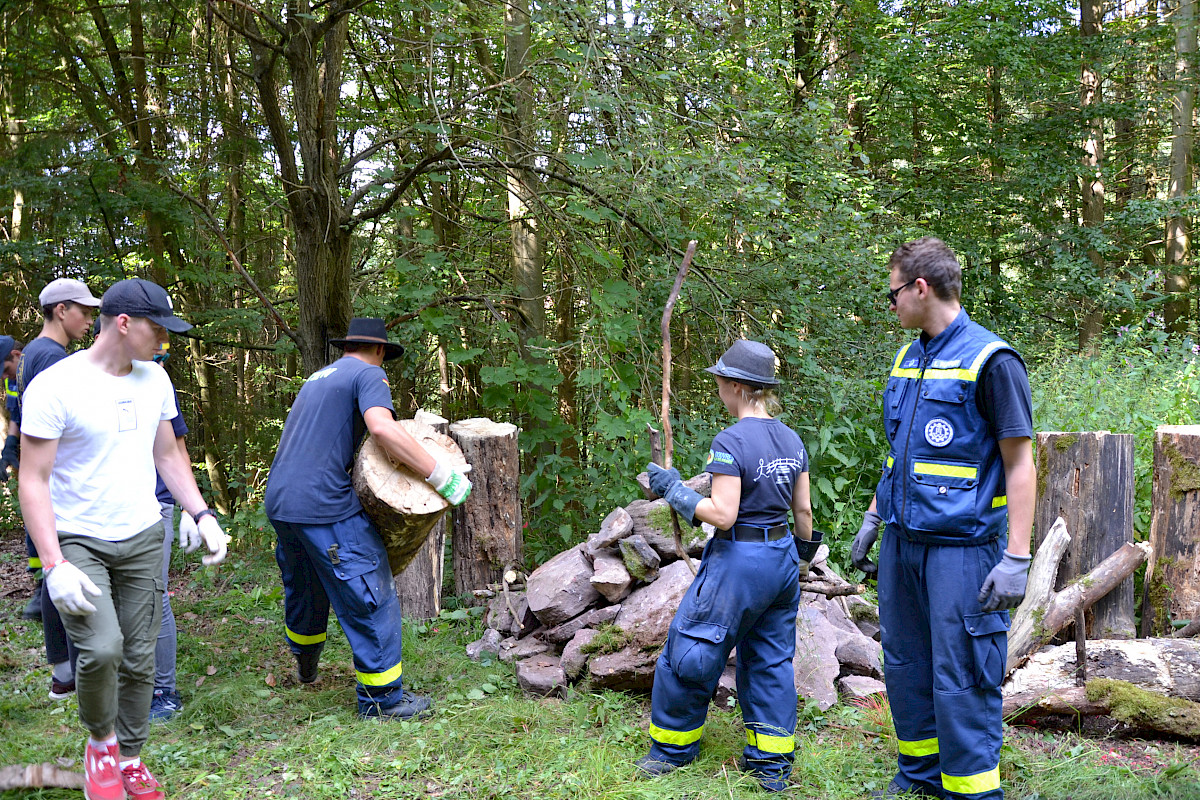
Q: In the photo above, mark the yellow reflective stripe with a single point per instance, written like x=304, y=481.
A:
x=972, y=784
x=900, y=356
x=890, y=461
x=1000, y=502
x=924, y=747
x=379, y=678
x=957, y=374
x=300, y=638
x=771, y=744
x=944, y=470
x=35, y=562
x=904, y=373
x=983, y=356
x=675, y=737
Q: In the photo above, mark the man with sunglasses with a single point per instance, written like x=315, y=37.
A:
x=956, y=500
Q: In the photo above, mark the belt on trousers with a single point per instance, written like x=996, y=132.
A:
x=753, y=533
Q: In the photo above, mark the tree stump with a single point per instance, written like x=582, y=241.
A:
x=486, y=532
x=1172, y=585
x=419, y=585
x=1087, y=479
x=402, y=506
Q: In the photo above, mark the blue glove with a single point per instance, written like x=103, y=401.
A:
x=864, y=540
x=10, y=456
x=661, y=480
x=667, y=484
x=1004, y=587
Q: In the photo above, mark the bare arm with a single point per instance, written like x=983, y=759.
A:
x=802, y=507
x=1020, y=478
x=397, y=441
x=37, y=462
x=721, y=509
x=175, y=468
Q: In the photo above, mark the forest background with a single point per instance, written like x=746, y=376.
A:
x=511, y=185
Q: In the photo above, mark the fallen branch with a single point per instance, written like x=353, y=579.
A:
x=832, y=588
x=1132, y=709
x=1045, y=612
x=39, y=776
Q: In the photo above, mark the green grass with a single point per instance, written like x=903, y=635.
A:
x=249, y=730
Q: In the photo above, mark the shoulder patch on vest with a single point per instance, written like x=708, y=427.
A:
x=910, y=363
x=946, y=364
x=719, y=457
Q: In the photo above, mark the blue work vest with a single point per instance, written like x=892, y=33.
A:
x=943, y=481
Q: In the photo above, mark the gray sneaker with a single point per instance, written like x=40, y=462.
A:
x=409, y=706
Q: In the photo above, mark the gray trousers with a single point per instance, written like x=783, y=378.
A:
x=114, y=676
x=165, y=647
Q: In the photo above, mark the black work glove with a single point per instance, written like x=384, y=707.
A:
x=10, y=456
x=807, y=550
x=864, y=540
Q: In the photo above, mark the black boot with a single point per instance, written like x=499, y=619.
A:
x=306, y=666
x=33, y=609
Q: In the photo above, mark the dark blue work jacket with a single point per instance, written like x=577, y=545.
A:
x=943, y=481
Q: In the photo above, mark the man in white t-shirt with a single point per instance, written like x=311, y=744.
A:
x=96, y=426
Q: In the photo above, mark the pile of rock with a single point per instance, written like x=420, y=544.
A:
x=601, y=610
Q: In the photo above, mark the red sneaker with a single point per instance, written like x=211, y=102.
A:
x=101, y=778
x=140, y=784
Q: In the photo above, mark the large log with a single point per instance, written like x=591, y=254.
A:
x=1172, y=585
x=1167, y=666
x=419, y=585
x=1109, y=708
x=1087, y=479
x=1044, y=611
x=402, y=506
x=486, y=532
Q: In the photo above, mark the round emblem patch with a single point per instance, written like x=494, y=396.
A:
x=939, y=432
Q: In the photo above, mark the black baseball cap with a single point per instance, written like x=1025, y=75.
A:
x=141, y=298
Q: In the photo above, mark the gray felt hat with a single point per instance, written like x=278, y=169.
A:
x=747, y=362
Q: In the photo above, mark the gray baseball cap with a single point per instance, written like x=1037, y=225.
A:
x=67, y=290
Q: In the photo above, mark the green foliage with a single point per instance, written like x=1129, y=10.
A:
x=1132, y=383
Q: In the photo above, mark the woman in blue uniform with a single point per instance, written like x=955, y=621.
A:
x=745, y=593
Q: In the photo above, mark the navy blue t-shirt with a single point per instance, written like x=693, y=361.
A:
x=42, y=352
x=769, y=456
x=180, y=427
x=309, y=482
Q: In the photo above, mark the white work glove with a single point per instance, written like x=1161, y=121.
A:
x=449, y=483
x=67, y=586
x=214, y=539
x=189, y=536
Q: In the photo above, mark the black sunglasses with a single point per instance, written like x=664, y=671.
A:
x=893, y=293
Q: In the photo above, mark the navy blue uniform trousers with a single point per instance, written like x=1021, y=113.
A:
x=745, y=594
x=343, y=564
x=943, y=665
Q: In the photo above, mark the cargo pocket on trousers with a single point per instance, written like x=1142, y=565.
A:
x=697, y=652
x=361, y=576
x=989, y=646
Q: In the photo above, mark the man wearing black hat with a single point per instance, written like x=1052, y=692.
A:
x=328, y=551
x=87, y=495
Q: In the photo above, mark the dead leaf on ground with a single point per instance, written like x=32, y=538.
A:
x=270, y=679
x=212, y=670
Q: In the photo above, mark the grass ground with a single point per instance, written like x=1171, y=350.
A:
x=249, y=730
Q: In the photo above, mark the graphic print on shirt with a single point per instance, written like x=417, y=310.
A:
x=719, y=457
x=126, y=416
x=780, y=468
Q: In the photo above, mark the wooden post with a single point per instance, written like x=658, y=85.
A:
x=486, y=533
x=1172, y=585
x=1087, y=479
x=419, y=585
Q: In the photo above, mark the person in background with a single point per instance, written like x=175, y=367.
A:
x=68, y=307
x=328, y=551
x=746, y=592
x=956, y=501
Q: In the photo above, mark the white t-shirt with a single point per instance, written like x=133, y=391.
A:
x=102, y=484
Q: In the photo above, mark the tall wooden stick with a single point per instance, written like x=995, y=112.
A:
x=669, y=445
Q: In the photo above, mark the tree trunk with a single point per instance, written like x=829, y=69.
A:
x=1178, y=278
x=419, y=585
x=1090, y=28
x=1172, y=583
x=1087, y=479
x=486, y=535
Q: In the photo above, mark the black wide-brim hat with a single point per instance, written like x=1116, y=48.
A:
x=747, y=362
x=370, y=330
